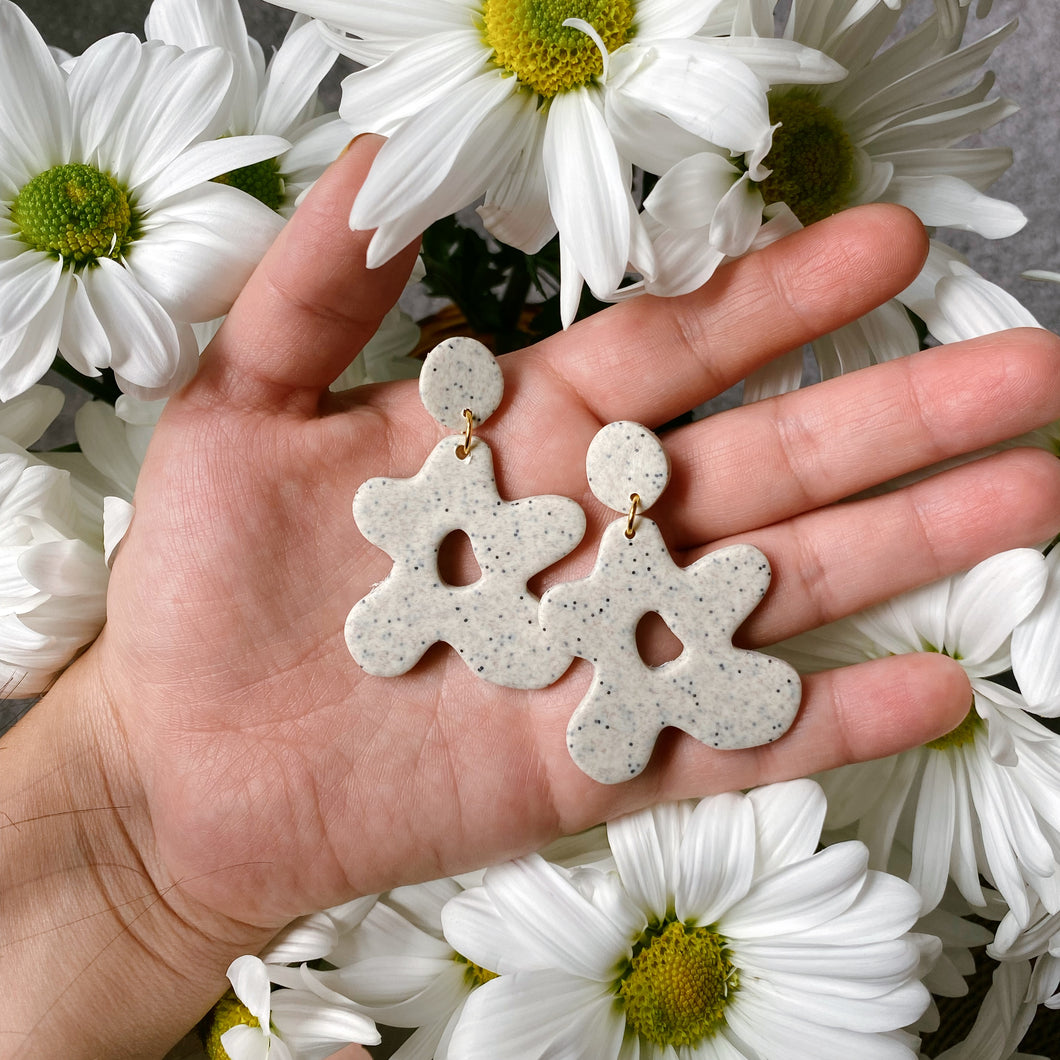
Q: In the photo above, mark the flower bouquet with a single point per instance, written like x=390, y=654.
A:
x=560, y=156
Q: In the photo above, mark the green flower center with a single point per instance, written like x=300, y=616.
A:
x=475, y=974
x=229, y=1012
x=965, y=733
x=812, y=157
x=677, y=985
x=75, y=212
x=529, y=39
x=263, y=180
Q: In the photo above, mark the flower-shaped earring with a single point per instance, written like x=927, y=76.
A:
x=725, y=697
x=492, y=623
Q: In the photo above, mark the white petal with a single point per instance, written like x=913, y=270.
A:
x=670, y=19
x=687, y=195
x=204, y=161
x=25, y=418
x=117, y=518
x=778, y=61
x=989, y=601
x=100, y=87
x=294, y=75
x=35, y=125
x=215, y=22
x=516, y=210
x=418, y=177
x=409, y=19
x=313, y=1028
x=246, y=1043
x=172, y=108
x=699, y=87
x=27, y=283
x=27, y=354
x=579, y=153
x=201, y=249
x=83, y=341
x=475, y=929
x=250, y=981
x=717, y=858
x=933, y=831
x=146, y=347
x=647, y=851
x=969, y=306
x=788, y=822
x=801, y=895
x=780, y=376
x=1035, y=658
x=64, y=568
x=563, y=927
x=949, y=202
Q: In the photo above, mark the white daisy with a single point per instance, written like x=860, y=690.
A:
x=720, y=935
x=543, y=107
x=982, y=798
x=53, y=574
x=886, y=132
x=258, y=1022
x=279, y=99
x=111, y=235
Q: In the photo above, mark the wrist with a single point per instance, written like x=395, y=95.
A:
x=100, y=952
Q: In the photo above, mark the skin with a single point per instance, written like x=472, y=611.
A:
x=216, y=764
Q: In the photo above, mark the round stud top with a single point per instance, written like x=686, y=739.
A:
x=625, y=458
x=459, y=374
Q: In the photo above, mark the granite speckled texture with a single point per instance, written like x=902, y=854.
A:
x=460, y=374
x=625, y=458
x=492, y=623
x=725, y=697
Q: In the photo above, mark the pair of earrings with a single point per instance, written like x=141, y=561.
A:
x=723, y=696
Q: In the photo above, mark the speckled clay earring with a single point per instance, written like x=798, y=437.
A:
x=493, y=622
x=723, y=696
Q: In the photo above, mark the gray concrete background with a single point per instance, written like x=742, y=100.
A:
x=1026, y=67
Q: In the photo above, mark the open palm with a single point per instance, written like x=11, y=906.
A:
x=280, y=778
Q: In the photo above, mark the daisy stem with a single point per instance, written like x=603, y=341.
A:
x=102, y=389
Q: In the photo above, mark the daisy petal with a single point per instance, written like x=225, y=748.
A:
x=1035, y=661
x=99, y=85
x=788, y=822
x=578, y=149
x=27, y=283
x=717, y=858
x=948, y=202
x=250, y=981
x=294, y=75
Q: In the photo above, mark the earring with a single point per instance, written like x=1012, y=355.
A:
x=723, y=696
x=492, y=623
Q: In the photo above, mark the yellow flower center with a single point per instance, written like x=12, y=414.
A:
x=528, y=39
x=263, y=180
x=812, y=157
x=475, y=974
x=965, y=733
x=75, y=212
x=229, y=1012
x=677, y=985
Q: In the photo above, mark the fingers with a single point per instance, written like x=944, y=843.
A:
x=651, y=359
x=834, y=561
x=311, y=304
x=771, y=460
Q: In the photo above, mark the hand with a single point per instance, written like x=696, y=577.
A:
x=265, y=775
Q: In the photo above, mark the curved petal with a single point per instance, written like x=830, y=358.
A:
x=669, y=19
x=989, y=601
x=27, y=283
x=418, y=176
x=64, y=568
x=944, y=201
x=800, y=896
x=204, y=161
x=117, y=518
x=422, y=74
x=1035, y=659
x=25, y=418
x=688, y=194
x=314, y=1029
x=201, y=249
x=779, y=61
x=293, y=77
x=83, y=342
x=175, y=102
x=100, y=86
x=717, y=858
x=27, y=354
x=933, y=831
x=250, y=982
x=246, y=1043
x=35, y=121
x=146, y=349
x=698, y=86
x=212, y=22
x=647, y=850
x=788, y=820
x=579, y=154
